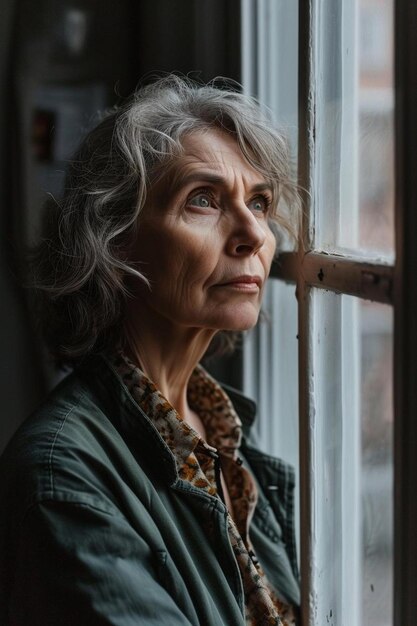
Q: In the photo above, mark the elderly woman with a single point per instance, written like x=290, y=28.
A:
x=134, y=495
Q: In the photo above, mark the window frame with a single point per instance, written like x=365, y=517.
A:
x=405, y=325
x=366, y=278
x=369, y=279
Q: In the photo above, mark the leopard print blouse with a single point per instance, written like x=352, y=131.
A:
x=195, y=462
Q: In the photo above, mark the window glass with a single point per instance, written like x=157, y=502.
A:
x=271, y=376
x=354, y=126
x=270, y=72
x=352, y=471
x=270, y=59
x=376, y=126
x=377, y=463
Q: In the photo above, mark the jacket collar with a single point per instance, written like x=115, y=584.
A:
x=133, y=423
x=244, y=407
x=127, y=417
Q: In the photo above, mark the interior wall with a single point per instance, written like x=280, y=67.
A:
x=20, y=383
x=200, y=37
x=87, y=54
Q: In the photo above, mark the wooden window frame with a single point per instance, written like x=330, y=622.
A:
x=382, y=282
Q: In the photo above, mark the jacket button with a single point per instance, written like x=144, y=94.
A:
x=253, y=558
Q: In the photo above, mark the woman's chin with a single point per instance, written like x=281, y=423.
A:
x=241, y=327
x=243, y=320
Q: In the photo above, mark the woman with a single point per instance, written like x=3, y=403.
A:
x=134, y=495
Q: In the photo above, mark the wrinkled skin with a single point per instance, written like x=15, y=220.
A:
x=201, y=234
x=205, y=224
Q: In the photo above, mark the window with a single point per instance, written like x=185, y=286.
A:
x=334, y=61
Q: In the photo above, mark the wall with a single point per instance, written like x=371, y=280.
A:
x=67, y=59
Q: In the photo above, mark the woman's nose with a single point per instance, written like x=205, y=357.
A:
x=247, y=236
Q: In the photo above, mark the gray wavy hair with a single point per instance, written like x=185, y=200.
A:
x=81, y=272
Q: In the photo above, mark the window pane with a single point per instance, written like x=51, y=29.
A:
x=377, y=463
x=270, y=59
x=271, y=376
x=376, y=125
x=352, y=461
x=270, y=72
x=354, y=133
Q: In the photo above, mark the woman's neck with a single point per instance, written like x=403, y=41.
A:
x=166, y=354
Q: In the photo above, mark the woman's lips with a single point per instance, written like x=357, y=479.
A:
x=249, y=284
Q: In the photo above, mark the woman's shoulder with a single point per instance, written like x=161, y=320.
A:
x=40, y=432
x=58, y=451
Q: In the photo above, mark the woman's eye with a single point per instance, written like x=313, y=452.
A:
x=201, y=200
x=259, y=204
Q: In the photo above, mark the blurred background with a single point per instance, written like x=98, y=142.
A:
x=60, y=64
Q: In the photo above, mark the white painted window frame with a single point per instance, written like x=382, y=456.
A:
x=370, y=278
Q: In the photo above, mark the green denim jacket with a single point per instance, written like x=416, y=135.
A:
x=97, y=528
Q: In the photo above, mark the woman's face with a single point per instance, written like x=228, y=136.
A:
x=204, y=241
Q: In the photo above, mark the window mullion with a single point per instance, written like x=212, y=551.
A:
x=306, y=409
x=340, y=273
x=306, y=154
